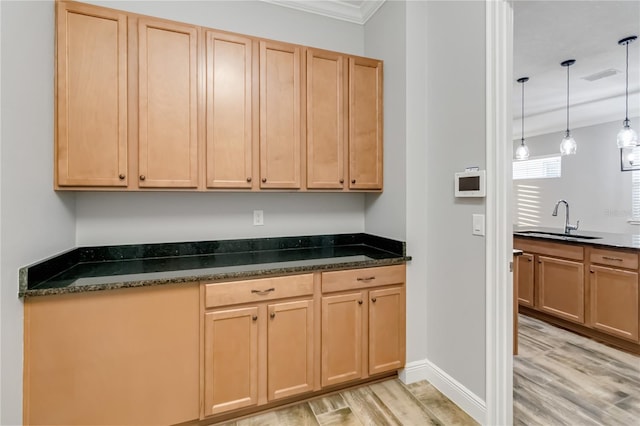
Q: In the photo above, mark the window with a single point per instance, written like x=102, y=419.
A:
x=538, y=168
x=635, y=191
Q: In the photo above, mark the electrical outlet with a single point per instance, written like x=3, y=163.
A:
x=258, y=217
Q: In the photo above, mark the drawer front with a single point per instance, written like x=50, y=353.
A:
x=252, y=291
x=568, y=251
x=616, y=258
x=362, y=278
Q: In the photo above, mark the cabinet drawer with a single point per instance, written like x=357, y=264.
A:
x=362, y=278
x=251, y=291
x=568, y=251
x=614, y=258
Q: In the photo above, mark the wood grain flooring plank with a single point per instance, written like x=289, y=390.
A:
x=438, y=404
x=368, y=408
x=403, y=404
x=299, y=414
x=343, y=417
x=326, y=404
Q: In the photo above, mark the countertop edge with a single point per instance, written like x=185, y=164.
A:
x=23, y=293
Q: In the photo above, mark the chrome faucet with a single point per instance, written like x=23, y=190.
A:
x=567, y=226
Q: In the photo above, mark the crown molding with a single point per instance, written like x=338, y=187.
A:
x=335, y=9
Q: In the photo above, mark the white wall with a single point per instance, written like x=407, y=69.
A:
x=119, y=218
x=599, y=194
x=455, y=138
x=35, y=221
x=385, y=38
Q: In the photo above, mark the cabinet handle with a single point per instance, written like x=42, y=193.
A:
x=591, y=271
x=121, y=176
x=263, y=292
x=272, y=315
x=530, y=260
x=142, y=177
x=341, y=180
x=264, y=180
x=353, y=181
x=359, y=302
x=374, y=300
x=617, y=259
x=366, y=278
x=255, y=318
x=249, y=179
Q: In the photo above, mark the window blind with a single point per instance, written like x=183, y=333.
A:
x=538, y=168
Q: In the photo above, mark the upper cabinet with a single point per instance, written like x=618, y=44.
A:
x=365, y=123
x=229, y=110
x=91, y=96
x=167, y=104
x=145, y=103
x=279, y=115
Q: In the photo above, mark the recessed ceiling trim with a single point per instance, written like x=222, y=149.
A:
x=342, y=10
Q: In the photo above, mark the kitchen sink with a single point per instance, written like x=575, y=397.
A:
x=559, y=234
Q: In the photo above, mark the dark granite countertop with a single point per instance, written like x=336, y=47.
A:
x=598, y=239
x=110, y=267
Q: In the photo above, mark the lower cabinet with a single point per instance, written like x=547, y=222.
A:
x=525, y=279
x=614, y=301
x=561, y=288
x=386, y=329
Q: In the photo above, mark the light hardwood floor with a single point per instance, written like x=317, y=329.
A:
x=561, y=378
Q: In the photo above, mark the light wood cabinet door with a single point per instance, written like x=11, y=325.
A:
x=342, y=338
x=325, y=120
x=231, y=360
x=289, y=349
x=525, y=279
x=561, y=288
x=614, y=301
x=91, y=96
x=365, y=123
x=386, y=329
x=228, y=122
x=279, y=115
x=168, y=104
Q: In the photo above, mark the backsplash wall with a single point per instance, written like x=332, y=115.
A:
x=599, y=194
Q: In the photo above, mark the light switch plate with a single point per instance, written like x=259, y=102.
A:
x=258, y=217
x=478, y=224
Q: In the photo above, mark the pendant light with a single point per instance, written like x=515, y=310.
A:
x=627, y=137
x=568, y=145
x=522, y=152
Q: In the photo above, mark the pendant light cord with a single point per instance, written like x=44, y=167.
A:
x=522, y=118
x=626, y=89
x=568, y=99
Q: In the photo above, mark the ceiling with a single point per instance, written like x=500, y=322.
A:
x=545, y=34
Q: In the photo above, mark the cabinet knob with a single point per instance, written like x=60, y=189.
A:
x=121, y=176
x=341, y=180
x=264, y=180
x=142, y=177
x=272, y=315
x=359, y=302
x=374, y=300
x=353, y=181
x=591, y=271
x=529, y=260
x=255, y=318
x=249, y=179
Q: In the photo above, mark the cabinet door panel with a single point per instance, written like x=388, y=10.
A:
x=290, y=349
x=614, y=301
x=525, y=279
x=386, y=329
x=231, y=360
x=229, y=143
x=341, y=338
x=91, y=96
x=561, y=288
x=279, y=115
x=168, y=134
x=325, y=120
x=365, y=123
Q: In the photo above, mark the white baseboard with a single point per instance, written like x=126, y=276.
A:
x=450, y=387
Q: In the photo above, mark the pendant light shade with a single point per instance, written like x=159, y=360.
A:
x=568, y=145
x=627, y=137
x=522, y=152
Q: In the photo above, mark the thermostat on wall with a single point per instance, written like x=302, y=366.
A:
x=470, y=184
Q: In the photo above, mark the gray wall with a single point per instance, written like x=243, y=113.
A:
x=35, y=221
x=455, y=124
x=598, y=193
